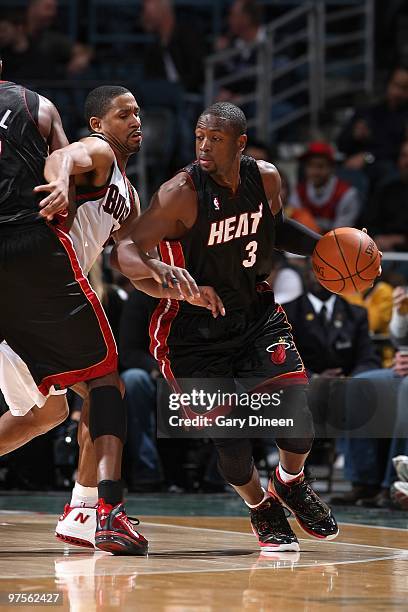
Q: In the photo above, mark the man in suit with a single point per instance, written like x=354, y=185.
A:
x=331, y=334
x=333, y=339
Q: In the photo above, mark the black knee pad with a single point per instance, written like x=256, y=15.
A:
x=295, y=405
x=235, y=461
x=107, y=413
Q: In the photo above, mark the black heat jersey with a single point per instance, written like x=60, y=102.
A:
x=23, y=151
x=230, y=246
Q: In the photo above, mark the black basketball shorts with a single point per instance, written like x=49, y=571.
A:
x=49, y=314
x=256, y=345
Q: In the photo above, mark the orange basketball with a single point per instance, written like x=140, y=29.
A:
x=346, y=260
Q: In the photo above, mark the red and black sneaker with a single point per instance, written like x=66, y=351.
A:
x=115, y=532
x=271, y=527
x=312, y=513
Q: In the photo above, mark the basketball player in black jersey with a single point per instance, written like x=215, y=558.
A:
x=49, y=314
x=221, y=217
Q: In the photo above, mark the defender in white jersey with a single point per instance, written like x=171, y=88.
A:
x=97, y=166
x=105, y=208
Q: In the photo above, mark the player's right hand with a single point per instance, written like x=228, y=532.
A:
x=173, y=277
x=209, y=299
x=57, y=202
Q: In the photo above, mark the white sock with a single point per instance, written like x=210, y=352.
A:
x=84, y=497
x=266, y=495
x=285, y=476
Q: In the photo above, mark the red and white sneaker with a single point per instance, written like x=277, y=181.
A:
x=77, y=525
x=115, y=532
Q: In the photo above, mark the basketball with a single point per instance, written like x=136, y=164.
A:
x=346, y=260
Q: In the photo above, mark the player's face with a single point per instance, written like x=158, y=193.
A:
x=217, y=145
x=121, y=124
x=318, y=170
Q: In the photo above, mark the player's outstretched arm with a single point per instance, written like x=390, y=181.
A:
x=209, y=298
x=291, y=236
x=169, y=215
x=90, y=154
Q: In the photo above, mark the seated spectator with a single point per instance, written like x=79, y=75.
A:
x=22, y=59
x=177, y=52
x=387, y=216
x=331, y=201
x=375, y=133
x=331, y=334
x=54, y=45
x=369, y=461
x=378, y=302
x=139, y=375
x=244, y=30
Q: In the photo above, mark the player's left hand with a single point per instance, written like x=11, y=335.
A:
x=57, y=202
x=208, y=299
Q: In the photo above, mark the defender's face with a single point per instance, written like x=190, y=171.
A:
x=122, y=123
x=217, y=145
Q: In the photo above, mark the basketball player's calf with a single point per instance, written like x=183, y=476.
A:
x=268, y=520
x=77, y=524
x=107, y=428
x=288, y=483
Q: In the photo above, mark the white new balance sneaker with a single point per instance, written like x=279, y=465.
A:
x=77, y=526
x=401, y=467
x=399, y=494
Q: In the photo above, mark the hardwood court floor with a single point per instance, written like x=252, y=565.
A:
x=206, y=564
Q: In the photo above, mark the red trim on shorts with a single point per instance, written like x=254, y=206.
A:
x=164, y=315
x=110, y=362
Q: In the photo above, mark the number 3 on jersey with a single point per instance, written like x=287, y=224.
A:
x=251, y=247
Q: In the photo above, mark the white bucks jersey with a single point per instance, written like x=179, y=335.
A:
x=100, y=212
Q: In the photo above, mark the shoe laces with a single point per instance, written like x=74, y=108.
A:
x=311, y=499
x=132, y=520
x=269, y=515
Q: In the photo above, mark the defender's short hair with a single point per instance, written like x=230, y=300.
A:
x=99, y=100
x=230, y=112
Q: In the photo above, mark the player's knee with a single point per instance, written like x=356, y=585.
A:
x=107, y=413
x=235, y=461
x=299, y=446
x=53, y=413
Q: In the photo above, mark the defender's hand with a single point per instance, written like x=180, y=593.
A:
x=209, y=299
x=57, y=202
x=173, y=277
